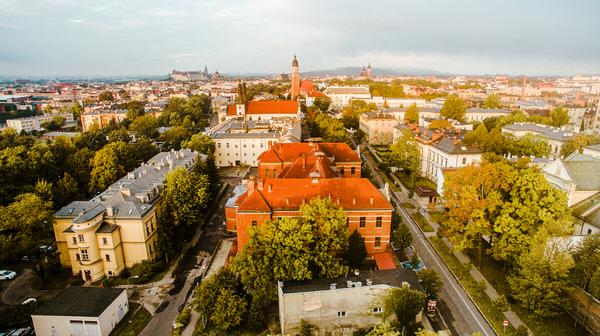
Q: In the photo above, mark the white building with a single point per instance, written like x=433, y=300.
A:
x=261, y=110
x=587, y=216
x=338, y=306
x=341, y=95
x=240, y=142
x=555, y=136
x=592, y=150
x=396, y=102
x=578, y=176
x=378, y=127
x=81, y=311
x=472, y=114
x=35, y=123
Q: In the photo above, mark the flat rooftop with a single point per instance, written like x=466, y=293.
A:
x=80, y=301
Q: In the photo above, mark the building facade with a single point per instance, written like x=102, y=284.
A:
x=341, y=95
x=295, y=79
x=338, y=306
x=378, y=127
x=117, y=228
x=35, y=123
x=555, y=136
x=366, y=209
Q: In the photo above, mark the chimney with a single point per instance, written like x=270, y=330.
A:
x=270, y=187
x=259, y=185
x=251, y=185
x=354, y=200
x=303, y=161
x=287, y=201
x=372, y=200
x=109, y=211
x=337, y=201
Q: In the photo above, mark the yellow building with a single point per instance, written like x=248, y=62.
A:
x=117, y=228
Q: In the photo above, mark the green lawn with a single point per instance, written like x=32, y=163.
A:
x=133, y=323
x=422, y=222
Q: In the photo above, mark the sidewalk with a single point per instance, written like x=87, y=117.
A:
x=215, y=264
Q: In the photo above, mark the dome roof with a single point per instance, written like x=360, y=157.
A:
x=295, y=62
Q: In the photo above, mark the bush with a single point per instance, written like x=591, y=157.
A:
x=304, y=328
x=75, y=281
x=146, y=270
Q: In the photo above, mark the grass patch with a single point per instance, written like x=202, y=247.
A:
x=134, y=322
x=408, y=205
x=476, y=290
x=422, y=222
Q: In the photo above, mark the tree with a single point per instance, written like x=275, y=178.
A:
x=405, y=303
x=145, y=127
x=322, y=103
x=134, y=109
x=187, y=194
x=412, y=113
x=587, y=261
x=402, y=236
x=174, y=137
x=430, y=281
x=356, y=252
x=66, y=191
x=405, y=154
x=559, y=117
x=454, y=108
x=541, y=278
x=200, y=142
x=424, y=332
x=351, y=113
x=229, y=310
x=23, y=225
x=577, y=142
x=492, y=101
x=527, y=145
x=293, y=248
x=384, y=329
x=106, y=167
x=440, y=124
x=54, y=124
x=477, y=137
x=106, y=96
x=304, y=328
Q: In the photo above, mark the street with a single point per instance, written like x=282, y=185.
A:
x=456, y=307
x=189, y=272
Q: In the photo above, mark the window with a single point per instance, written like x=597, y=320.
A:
x=77, y=256
x=244, y=145
x=464, y=161
x=254, y=223
x=151, y=226
x=218, y=145
x=104, y=241
x=377, y=241
x=342, y=171
x=377, y=310
x=74, y=240
x=363, y=221
x=147, y=230
x=348, y=221
x=81, y=239
x=341, y=314
x=227, y=145
x=107, y=257
x=84, y=255
x=352, y=170
x=378, y=222
x=589, y=231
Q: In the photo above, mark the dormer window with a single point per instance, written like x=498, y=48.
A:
x=70, y=212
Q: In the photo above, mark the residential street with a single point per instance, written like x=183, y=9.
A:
x=456, y=307
x=192, y=267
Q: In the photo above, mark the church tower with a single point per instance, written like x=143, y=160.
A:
x=369, y=71
x=295, y=79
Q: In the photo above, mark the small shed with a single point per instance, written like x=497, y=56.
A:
x=426, y=195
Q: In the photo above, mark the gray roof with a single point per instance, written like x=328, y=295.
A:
x=378, y=115
x=106, y=228
x=549, y=132
x=490, y=111
x=237, y=192
x=589, y=210
x=80, y=301
x=238, y=128
x=447, y=145
x=393, y=278
x=594, y=147
x=133, y=195
x=585, y=174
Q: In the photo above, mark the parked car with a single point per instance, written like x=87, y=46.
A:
x=28, y=301
x=7, y=275
x=409, y=266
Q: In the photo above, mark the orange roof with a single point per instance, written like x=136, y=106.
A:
x=290, y=194
x=384, y=261
x=288, y=152
x=267, y=107
x=304, y=166
x=306, y=85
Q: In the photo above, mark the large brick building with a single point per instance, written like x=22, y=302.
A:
x=291, y=174
x=296, y=160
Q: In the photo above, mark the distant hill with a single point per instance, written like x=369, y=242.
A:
x=355, y=71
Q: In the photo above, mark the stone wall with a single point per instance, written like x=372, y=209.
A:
x=586, y=309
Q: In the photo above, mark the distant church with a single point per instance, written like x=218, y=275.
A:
x=367, y=72
x=187, y=76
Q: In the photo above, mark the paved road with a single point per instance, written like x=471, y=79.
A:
x=456, y=307
x=162, y=321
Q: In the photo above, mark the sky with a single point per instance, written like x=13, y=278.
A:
x=150, y=37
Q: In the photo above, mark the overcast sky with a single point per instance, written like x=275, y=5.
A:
x=124, y=37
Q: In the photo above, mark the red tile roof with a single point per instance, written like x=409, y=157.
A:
x=288, y=152
x=384, y=261
x=304, y=166
x=267, y=107
x=290, y=194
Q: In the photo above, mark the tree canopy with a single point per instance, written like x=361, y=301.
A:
x=492, y=101
x=454, y=108
x=412, y=114
x=405, y=154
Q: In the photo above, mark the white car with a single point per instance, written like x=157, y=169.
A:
x=7, y=275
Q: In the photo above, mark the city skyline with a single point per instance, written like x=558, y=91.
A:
x=117, y=38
